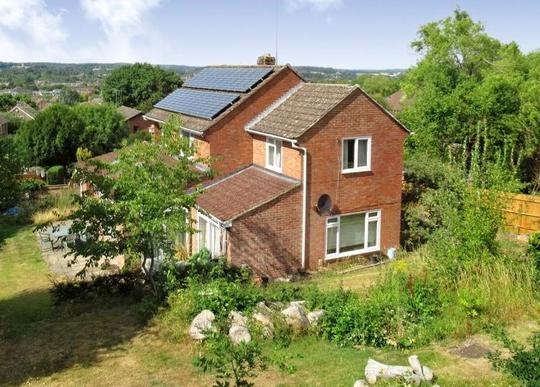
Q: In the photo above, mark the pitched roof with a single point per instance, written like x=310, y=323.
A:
x=395, y=101
x=27, y=109
x=234, y=195
x=128, y=112
x=297, y=111
x=188, y=122
x=200, y=124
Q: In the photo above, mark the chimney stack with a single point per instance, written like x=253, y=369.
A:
x=266, y=59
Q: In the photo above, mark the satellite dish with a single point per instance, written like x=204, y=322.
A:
x=324, y=204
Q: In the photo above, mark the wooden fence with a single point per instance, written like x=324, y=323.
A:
x=522, y=214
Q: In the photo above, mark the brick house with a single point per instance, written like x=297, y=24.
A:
x=134, y=119
x=307, y=173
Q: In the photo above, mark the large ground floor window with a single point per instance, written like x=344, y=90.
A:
x=353, y=234
x=210, y=235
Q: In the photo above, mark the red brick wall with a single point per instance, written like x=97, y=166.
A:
x=228, y=140
x=378, y=189
x=138, y=123
x=291, y=158
x=269, y=239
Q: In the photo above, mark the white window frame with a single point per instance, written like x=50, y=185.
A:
x=337, y=224
x=272, y=145
x=212, y=227
x=356, y=168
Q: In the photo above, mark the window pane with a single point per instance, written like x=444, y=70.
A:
x=331, y=240
x=372, y=233
x=216, y=247
x=348, y=154
x=278, y=154
x=271, y=157
x=373, y=214
x=202, y=233
x=362, y=153
x=352, y=230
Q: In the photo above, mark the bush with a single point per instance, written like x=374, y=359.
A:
x=524, y=364
x=533, y=249
x=56, y=175
x=32, y=187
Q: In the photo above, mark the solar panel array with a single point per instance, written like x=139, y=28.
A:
x=198, y=103
x=239, y=79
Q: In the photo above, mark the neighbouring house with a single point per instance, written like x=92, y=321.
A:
x=134, y=119
x=397, y=101
x=308, y=174
x=24, y=111
x=4, y=124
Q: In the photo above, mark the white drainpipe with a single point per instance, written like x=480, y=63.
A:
x=304, y=199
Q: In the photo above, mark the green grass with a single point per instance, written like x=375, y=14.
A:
x=24, y=282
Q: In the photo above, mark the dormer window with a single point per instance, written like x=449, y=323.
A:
x=273, y=154
x=356, y=154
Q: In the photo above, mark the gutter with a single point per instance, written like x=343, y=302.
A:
x=295, y=145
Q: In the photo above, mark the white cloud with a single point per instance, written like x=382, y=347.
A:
x=121, y=21
x=29, y=30
x=314, y=5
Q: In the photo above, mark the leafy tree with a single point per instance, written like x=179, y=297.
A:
x=104, y=127
x=142, y=204
x=468, y=81
x=8, y=101
x=378, y=86
x=51, y=138
x=139, y=85
x=70, y=97
x=9, y=170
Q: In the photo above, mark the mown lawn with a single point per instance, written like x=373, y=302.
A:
x=106, y=344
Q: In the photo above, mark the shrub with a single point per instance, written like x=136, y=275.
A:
x=524, y=364
x=533, y=249
x=32, y=187
x=56, y=175
x=230, y=362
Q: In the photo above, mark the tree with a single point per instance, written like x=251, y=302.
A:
x=8, y=101
x=51, y=138
x=378, y=86
x=9, y=171
x=140, y=85
x=467, y=81
x=104, y=127
x=70, y=97
x=143, y=201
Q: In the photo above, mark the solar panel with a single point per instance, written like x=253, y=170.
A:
x=198, y=103
x=239, y=79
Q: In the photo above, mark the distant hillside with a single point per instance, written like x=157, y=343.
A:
x=28, y=75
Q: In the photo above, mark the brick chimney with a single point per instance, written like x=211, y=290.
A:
x=266, y=59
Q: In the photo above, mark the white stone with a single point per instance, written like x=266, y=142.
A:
x=360, y=383
x=266, y=322
x=295, y=316
x=315, y=316
x=262, y=308
x=237, y=318
x=201, y=324
x=239, y=334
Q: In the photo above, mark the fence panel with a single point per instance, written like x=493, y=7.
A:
x=522, y=214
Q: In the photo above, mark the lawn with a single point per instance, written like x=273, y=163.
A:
x=107, y=344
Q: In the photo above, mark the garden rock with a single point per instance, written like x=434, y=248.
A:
x=315, y=316
x=201, y=324
x=238, y=318
x=415, y=373
x=265, y=320
x=360, y=383
x=262, y=308
x=295, y=316
x=239, y=334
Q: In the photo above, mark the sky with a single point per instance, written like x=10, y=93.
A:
x=352, y=34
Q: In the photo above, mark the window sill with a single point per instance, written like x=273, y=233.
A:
x=275, y=169
x=355, y=170
x=352, y=253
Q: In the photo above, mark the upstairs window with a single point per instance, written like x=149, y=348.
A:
x=356, y=155
x=273, y=154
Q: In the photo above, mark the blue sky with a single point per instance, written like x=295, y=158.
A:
x=340, y=33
